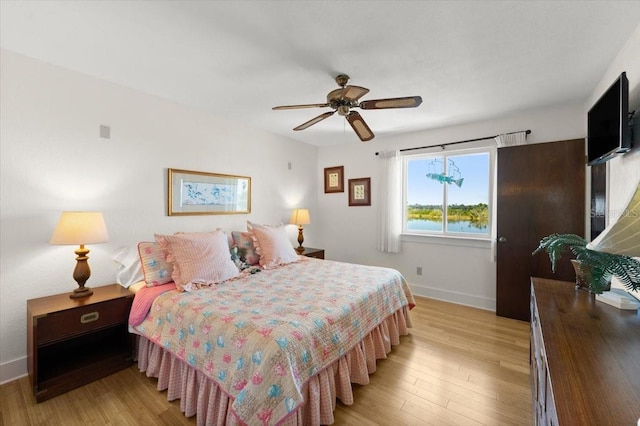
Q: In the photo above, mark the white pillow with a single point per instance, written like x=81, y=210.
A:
x=129, y=266
x=272, y=245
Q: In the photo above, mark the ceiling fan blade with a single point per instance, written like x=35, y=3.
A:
x=314, y=120
x=407, y=102
x=353, y=93
x=300, y=106
x=359, y=126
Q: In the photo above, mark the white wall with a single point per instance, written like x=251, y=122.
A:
x=623, y=172
x=53, y=160
x=452, y=270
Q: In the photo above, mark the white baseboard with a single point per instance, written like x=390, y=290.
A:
x=454, y=297
x=13, y=370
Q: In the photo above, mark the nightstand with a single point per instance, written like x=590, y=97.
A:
x=311, y=252
x=72, y=342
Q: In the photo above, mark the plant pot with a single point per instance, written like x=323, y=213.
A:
x=581, y=279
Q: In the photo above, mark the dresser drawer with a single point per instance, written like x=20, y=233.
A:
x=72, y=322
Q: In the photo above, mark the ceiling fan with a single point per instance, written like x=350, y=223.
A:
x=345, y=98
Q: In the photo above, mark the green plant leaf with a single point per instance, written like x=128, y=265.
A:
x=555, y=244
x=601, y=266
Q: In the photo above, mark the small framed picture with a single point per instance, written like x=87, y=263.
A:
x=360, y=192
x=333, y=179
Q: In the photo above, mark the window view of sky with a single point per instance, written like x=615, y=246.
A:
x=472, y=168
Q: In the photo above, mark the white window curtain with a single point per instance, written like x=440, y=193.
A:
x=390, y=213
x=511, y=139
x=502, y=141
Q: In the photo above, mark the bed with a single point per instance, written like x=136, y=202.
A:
x=273, y=344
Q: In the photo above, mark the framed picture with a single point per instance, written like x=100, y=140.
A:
x=360, y=192
x=334, y=179
x=199, y=193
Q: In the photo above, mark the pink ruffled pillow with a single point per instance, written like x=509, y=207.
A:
x=198, y=257
x=156, y=269
x=272, y=245
x=246, y=250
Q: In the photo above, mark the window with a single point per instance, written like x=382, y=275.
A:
x=459, y=181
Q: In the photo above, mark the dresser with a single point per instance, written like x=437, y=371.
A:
x=585, y=358
x=72, y=342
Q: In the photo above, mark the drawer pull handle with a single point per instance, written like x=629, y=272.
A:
x=90, y=317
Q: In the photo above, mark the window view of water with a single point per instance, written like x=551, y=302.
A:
x=463, y=226
x=448, y=193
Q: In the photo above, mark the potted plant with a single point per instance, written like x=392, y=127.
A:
x=597, y=267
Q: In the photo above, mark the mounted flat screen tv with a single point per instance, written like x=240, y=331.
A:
x=608, y=131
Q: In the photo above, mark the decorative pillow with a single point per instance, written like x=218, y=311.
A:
x=129, y=268
x=246, y=250
x=201, y=258
x=156, y=269
x=272, y=245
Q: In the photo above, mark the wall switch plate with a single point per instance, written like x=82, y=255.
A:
x=419, y=270
x=105, y=132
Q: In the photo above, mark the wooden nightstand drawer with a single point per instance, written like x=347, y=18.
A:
x=311, y=252
x=60, y=325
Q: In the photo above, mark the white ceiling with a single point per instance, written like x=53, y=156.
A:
x=468, y=60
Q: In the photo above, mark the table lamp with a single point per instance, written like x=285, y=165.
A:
x=300, y=217
x=80, y=228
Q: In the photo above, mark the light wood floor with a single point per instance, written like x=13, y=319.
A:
x=459, y=366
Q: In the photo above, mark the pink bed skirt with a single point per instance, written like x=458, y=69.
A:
x=200, y=396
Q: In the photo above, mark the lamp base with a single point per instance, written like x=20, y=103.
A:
x=81, y=274
x=81, y=292
x=300, y=238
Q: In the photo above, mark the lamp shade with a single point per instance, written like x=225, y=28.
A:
x=79, y=228
x=300, y=217
x=623, y=236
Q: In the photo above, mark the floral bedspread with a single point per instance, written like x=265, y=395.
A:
x=262, y=336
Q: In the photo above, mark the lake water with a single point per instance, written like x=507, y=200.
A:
x=463, y=226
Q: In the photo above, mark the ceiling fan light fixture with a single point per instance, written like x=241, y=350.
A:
x=342, y=80
x=347, y=97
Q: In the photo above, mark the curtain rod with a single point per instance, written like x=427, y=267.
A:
x=442, y=145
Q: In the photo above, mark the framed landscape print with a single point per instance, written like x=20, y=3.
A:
x=360, y=192
x=333, y=179
x=199, y=193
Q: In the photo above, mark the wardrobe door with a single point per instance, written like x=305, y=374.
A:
x=541, y=191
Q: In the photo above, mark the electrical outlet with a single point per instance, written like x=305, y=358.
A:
x=419, y=270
